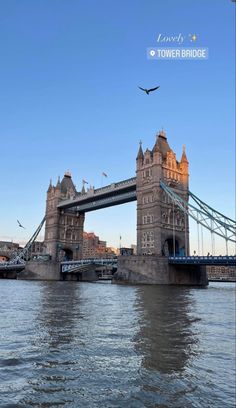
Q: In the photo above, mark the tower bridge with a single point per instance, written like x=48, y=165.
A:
x=66, y=207
x=161, y=189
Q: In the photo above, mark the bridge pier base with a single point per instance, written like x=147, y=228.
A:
x=6, y=274
x=154, y=270
x=41, y=270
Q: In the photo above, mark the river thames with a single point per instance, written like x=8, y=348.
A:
x=71, y=344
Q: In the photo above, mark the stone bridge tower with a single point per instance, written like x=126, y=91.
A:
x=162, y=228
x=64, y=228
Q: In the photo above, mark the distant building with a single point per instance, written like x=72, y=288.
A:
x=220, y=272
x=134, y=247
x=126, y=251
x=93, y=247
x=116, y=251
x=37, y=248
x=7, y=248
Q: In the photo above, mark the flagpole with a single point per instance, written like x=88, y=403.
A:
x=103, y=175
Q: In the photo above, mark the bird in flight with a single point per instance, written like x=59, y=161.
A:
x=20, y=225
x=149, y=90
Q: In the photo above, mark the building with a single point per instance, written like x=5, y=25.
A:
x=220, y=272
x=7, y=248
x=134, y=248
x=126, y=251
x=93, y=247
x=37, y=248
x=162, y=228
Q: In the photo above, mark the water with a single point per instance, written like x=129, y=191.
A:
x=71, y=344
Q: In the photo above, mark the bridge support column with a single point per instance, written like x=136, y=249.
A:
x=162, y=229
x=64, y=228
x=156, y=270
x=40, y=270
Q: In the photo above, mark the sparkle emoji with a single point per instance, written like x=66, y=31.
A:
x=193, y=37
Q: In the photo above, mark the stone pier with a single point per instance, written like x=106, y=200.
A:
x=51, y=270
x=156, y=270
x=41, y=270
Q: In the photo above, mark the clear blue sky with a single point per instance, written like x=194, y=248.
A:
x=69, y=100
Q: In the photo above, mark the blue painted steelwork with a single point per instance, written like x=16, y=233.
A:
x=17, y=260
x=223, y=219
x=203, y=260
x=7, y=266
x=209, y=218
x=70, y=266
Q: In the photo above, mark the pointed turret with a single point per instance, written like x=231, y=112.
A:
x=184, y=157
x=67, y=185
x=83, y=190
x=140, y=152
x=184, y=169
x=50, y=186
x=161, y=144
x=58, y=186
x=156, y=147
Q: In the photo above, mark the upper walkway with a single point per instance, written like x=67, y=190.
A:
x=94, y=199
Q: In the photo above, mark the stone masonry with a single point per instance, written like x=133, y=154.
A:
x=162, y=229
x=64, y=228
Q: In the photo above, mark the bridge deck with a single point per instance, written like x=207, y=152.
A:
x=113, y=194
x=203, y=260
x=70, y=266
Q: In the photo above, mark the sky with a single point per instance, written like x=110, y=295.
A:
x=69, y=100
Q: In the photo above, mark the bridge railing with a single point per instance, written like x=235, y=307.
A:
x=96, y=202
x=69, y=266
x=115, y=186
x=101, y=261
x=12, y=265
x=96, y=193
x=204, y=260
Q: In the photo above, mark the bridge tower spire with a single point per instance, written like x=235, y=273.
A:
x=140, y=153
x=184, y=168
x=161, y=227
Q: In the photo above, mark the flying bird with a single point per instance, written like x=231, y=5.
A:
x=20, y=225
x=149, y=90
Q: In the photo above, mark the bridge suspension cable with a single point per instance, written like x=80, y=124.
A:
x=19, y=257
x=222, y=219
x=206, y=216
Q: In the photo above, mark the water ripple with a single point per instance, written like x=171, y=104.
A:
x=69, y=344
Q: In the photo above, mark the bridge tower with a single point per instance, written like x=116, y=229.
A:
x=162, y=229
x=64, y=228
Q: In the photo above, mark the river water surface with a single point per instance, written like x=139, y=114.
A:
x=72, y=344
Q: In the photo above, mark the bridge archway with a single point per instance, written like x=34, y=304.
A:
x=67, y=254
x=173, y=247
